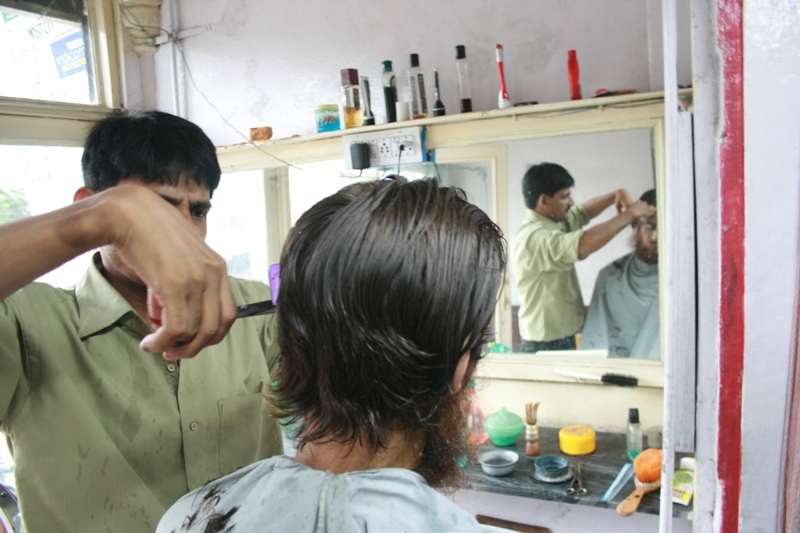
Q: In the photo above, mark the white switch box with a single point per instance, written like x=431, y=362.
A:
x=384, y=146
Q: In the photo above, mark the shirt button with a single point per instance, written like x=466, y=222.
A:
x=193, y=426
x=171, y=367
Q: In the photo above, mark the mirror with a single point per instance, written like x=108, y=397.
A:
x=604, y=143
x=624, y=307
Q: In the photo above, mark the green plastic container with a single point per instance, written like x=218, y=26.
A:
x=504, y=428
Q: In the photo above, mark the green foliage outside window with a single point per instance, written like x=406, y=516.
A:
x=13, y=205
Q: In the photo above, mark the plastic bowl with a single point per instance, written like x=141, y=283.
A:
x=498, y=462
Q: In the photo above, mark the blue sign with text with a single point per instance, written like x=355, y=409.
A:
x=69, y=54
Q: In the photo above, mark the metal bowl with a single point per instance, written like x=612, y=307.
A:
x=551, y=469
x=498, y=462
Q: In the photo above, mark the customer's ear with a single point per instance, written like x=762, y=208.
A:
x=82, y=194
x=461, y=370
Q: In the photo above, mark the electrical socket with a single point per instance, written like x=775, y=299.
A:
x=384, y=146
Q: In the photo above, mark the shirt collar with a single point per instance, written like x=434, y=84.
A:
x=534, y=216
x=99, y=303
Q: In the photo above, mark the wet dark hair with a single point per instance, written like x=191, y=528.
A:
x=151, y=146
x=384, y=286
x=544, y=178
x=649, y=197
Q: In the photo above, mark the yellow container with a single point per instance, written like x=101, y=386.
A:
x=576, y=440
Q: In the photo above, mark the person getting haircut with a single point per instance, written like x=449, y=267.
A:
x=387, y=294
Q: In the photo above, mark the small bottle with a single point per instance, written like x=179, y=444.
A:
x=463, y=79
x=419, y=104
x=634, y=434
x=438, y=106
x=366, y=102
x=351, y=99
x=476, y=433
x=389, y=91
x=574, y=76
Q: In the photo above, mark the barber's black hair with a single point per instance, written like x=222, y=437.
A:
x=649, y=197
x=544, y=178
x=150, y=146
x=384, y=286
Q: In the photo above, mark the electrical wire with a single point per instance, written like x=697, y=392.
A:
x=173, y=38
x=400, y=156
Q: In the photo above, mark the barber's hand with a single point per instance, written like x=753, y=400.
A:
x=622, y=200
x=641, y=209
x=189, y=300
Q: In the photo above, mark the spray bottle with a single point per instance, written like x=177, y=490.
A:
x=634, y=434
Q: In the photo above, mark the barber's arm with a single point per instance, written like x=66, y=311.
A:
x=188, y=285
x=598, y=236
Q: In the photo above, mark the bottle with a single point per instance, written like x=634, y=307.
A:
x=419, y=104
x=465, y=98
x=389, y=91
x=476, y=432
x=366, y=102
x=634, y=434
x=574, y=76
x=502, y=98
x=438, y=106
x=351, y=100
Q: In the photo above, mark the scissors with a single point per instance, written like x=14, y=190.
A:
x=581, y=491
x=259, y=308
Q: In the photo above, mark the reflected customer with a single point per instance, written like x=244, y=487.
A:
x=624, y=315
x=546, y=247
x=377, y=344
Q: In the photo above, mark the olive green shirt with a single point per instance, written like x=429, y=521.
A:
x=106, y=436
x=543, y=256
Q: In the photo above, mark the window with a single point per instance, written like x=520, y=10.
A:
x=45, y=54
x=58, y=60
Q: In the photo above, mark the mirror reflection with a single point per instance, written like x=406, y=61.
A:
x=583, y=245
x=603, y=299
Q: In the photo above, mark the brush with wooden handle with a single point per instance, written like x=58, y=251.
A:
x=647, y=477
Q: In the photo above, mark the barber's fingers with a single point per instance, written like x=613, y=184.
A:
x=622, y=200
x=193, y=310
x=642, y=209
x=217, y=313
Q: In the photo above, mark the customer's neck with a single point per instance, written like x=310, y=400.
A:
x=403, y=450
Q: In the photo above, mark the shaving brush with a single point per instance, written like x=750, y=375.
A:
x=531, y=429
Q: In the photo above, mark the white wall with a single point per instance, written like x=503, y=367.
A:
x=265, y=62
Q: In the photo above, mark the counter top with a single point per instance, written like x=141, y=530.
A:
x=598, y=469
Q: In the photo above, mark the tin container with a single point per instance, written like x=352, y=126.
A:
x=327, y=117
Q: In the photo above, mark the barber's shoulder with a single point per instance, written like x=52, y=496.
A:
x=39, y=296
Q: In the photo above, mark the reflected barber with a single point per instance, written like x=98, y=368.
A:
x=548, y=243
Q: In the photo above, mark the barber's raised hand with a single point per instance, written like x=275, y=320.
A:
x=641, y=209
x=189, y=298
x=622, y=200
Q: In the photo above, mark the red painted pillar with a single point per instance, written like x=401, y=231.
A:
x=731, y=169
